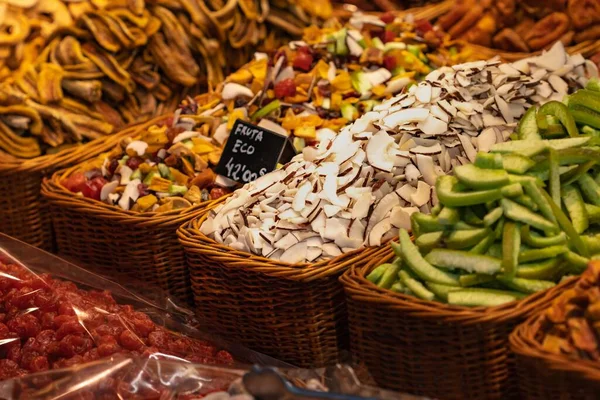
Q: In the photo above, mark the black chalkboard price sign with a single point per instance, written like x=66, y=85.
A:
x=250, y=152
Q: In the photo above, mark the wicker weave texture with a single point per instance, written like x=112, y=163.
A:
x=122, y=245
x=433, y=349
x=293, y=313
x=544, y=375
x=23, y=211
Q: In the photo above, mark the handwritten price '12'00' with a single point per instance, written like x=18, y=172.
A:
x=247, y=176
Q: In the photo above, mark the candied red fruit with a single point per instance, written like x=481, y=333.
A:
x=285, y=88
x=48, y=323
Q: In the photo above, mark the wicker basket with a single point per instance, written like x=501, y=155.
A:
x=120, y=244
x=546, y=376
x=293, y=313
x=23, y=211
x=433, y=349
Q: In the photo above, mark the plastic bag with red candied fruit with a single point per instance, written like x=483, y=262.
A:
x=55, y=315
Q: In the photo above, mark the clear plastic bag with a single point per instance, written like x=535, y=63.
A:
x=67, y=333
x=54, y=314
x=158, y=378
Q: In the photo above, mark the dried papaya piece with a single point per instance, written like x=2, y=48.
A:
x=548, y=30
x=584, y=13
x=109, y=66
x=507, y=39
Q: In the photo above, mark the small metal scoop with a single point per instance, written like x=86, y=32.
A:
x=264, y=383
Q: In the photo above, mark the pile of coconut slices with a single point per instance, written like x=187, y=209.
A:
x=358, y=186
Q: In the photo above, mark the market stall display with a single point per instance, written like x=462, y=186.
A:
x=90, y=68
x=163, y=175
x=357, y=188
x=302, y=223
x=499, y=243
x=557, y=350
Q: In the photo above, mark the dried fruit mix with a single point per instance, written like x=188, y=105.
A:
x=571, y=326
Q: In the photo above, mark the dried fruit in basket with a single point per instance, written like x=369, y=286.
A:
x=570, y=327
x=309, y=88
x=48, y=323
x=523, y=26
x=499, y=231
x=88, y=68
x=357, y=188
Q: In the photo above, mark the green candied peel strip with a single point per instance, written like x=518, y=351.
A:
x=448, y=216
x=426, y=223
x=566, y=226
x=554, y=176
x=466, y=238
x=592, y=242
x=415, y=261
x=593, y=213
x=590, y=189
x=445, y=189
x=475, y=279
x=526, y=285
x=479, y=178
x=441, y=291
x=375, y=275
x=516, y=163
x=511, y=244
x=575, y=206
x=545, y=270
x=475, y=297
x=389, y=277
x=574, y=174
x=489, y=161
x=585, y=116
x=541, y=241
x=512, y=190
x=577, y=264
x=471, y=218
x=457, y=259
x=559, y=110
x=528, y=128
x=542, y=254
x=415, y=286
x=483, y=246
x=428, y=241
x=518, y=213
x=527, y=148
x=493, y=216
x=527, y=201
x=535, y=193
x=266, y=110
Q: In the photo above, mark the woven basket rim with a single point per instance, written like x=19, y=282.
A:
x=12, y=164
x=195, y=241
x=522, y=342
x=356, y=284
